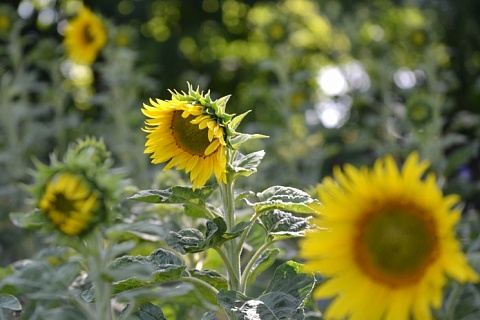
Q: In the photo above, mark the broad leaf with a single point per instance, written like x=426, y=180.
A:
x=265, y=260
x=40, y=280
x=7, y=301
x=285, y=297
x=290, y=279
x=192, y=240
x=245, y=165
x=177, y=194
x=147, y=311
x=283, y=198
x=281, y=225
x=141, y=271
x=211, y=277
x=276, y=305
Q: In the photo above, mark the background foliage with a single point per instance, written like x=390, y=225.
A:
x=329, y=81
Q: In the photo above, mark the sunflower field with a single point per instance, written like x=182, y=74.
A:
x=239, y=159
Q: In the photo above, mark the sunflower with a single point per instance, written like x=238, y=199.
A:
x=181, y=133
x=386, y=240
x=85, y=36
x=70, y=204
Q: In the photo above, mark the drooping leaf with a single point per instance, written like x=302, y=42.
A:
x=245, y=165
x=192, y=240
x=148, y=311
x=211, y=277
x=7, y=301
x=265, y=260
x=281, y=225
x=186, y=240
x=177, y=194
x=283, y=198
x=141, y=271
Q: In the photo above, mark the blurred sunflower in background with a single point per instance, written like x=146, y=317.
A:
x=389, y=234
x=70, y=204
x=188, y=133
x=85, y=36
x=77, y=193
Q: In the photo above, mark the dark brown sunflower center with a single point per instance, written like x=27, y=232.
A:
x=88, y=36
x=63, y=204
x=188, y=136
x=396, y=246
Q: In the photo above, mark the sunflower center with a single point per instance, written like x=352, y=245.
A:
x=188, y=136
x=63, y=204
x=88, y=36
x=395, y=247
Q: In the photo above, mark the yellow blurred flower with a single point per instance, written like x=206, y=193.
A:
x=386, y=240
x=180, y=133
x=85, y=36
x=70, y=204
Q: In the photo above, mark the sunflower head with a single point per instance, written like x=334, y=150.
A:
x=190, y=132
x=390, y=232
x=85, y=36
x=71, y=204
x=74, y=194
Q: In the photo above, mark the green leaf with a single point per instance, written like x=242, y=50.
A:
x=40, y=280
x=34, y=219
x=245, y=165
x=265, y=260
x=177, y=194
x=7, y=301
x=285, y=297
x=141, y=271
x=211, y=277
x=186, y=240
x=237, y=120
x=281, y=225
x=231, y=300
x=192, y=240
x=283, y=198
x=290, y=279
x=241, y=138
x=148, y=311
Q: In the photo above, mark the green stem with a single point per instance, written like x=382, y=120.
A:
x=248, y=269
x=97, y=261
x=202, y=283
x=245, y=233
x=208, y=212
x=234, y=273
x=84, y=307
x=232, y=276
